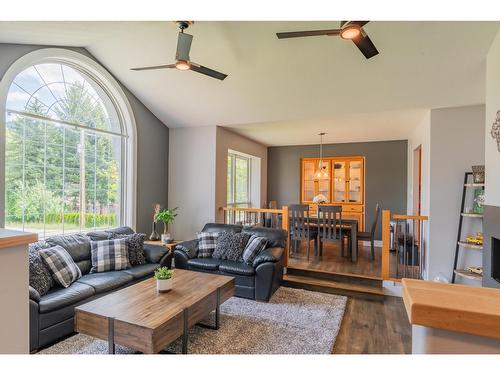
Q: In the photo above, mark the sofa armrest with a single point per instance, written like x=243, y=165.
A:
x=166, y=260
x=190, y=248
x=273, y=254
x=154, y=253
x=34, y=295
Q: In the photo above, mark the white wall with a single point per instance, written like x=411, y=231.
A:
x=492, y=155
x=227, y=140
x=457, y=143
x=192, y=179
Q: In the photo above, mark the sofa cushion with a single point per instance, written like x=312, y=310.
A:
x=40, y=278
x=77, y=245
x=230, y=245
x=254, y=246
x=218, y=228
x=61, y=297
x=105, y=281
x=143, y=270
x=62, y=267
x=207, y=242
x=204, y=264
x=109, y=255
x=275, y=237
x=121, y=230
x=135, y=243
x=239, y=268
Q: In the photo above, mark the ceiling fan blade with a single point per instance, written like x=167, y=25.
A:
x=154, y=67
x=359, y=23
x=183, y=46
x=299, y=34
x=207, y=71
x=365, y=45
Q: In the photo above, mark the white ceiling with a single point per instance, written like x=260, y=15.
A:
x=283, y=91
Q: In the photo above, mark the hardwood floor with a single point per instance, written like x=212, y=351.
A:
x=374, y=327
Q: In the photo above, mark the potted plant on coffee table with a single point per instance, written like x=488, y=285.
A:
x=163, y=276
x=166, y=216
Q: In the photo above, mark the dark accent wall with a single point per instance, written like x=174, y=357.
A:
x=152, y=142
x=385, y=173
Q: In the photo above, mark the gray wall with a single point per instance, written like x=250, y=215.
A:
x=385, y=173
x=152, y=143
x=457, y=143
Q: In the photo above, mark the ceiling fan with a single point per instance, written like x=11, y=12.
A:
x=349, y=30
x=182, y=61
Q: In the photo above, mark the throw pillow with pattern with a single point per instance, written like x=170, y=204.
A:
x=135, y=242
x=254, y=246
x=109, y=255
x=230, y=246
x=207, y=241
x=62, y=267
x=40, y=278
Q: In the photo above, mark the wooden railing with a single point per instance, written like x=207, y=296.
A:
x=405, y=237
x=265, y=217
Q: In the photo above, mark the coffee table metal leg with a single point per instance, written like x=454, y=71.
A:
x=185, y=335
x=111, y=336
x=217, y=315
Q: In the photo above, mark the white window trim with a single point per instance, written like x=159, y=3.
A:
x=109, y=84
x=239, y=155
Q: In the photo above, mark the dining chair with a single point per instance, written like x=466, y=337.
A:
x=330, y=226
x=370, y=236
x=300, y=227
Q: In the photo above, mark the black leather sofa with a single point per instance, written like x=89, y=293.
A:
x=258, y=280
x=51, y=315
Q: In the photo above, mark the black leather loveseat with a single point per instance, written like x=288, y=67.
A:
x=51, y=315
x=258, y=280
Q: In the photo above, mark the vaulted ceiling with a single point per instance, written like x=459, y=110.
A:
x=301, y=84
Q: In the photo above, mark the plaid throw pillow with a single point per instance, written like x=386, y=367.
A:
x=135, y=243
x=109, y=255
x=62, y=267
x=254, y=246
x=206, y=244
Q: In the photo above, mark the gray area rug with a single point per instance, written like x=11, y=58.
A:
x=295, y=321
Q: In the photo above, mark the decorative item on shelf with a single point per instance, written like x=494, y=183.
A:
x=476, y=270
x=495, y=130
x=476, y=239
x=478, y=201
x=154, y=236
x=163, y=276
x=478, y=174
x=440, y=278
x=166, y=216
x=321, y=173
x=320, y=199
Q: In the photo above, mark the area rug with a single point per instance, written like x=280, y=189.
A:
x=295, y=321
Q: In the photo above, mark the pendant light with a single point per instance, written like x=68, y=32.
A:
x=321, y=173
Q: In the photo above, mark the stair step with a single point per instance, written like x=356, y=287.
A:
x=336, y=276
x=334, y=287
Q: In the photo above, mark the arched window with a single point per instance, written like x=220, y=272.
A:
x=66, y=145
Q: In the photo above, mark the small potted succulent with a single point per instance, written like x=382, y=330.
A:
x=163, y=276
x=166, y=216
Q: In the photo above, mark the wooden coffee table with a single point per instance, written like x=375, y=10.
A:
x=143, y=319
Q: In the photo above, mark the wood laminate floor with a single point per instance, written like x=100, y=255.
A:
x=374, y=327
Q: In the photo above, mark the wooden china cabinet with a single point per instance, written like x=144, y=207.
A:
x=345, y=185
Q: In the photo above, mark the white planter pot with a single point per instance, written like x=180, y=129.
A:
x=164, y=285
x=166, y=238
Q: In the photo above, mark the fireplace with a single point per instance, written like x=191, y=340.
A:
x=491, y=251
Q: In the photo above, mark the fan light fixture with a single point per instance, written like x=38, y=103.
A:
x=182, y=65
x=351, y=31
x=321, y=173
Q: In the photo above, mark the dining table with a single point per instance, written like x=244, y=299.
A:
x=351, y=230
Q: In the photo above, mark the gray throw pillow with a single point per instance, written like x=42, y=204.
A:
x=207, y=242
x=109, y=255
x=40, y=278
x=230, y=246
x=135, y=243
x=62, y=267
x=254, y=246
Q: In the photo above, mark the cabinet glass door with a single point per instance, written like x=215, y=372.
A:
x=308, y=180
x=339, y=181
x=355, y=181
x=324, y=183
